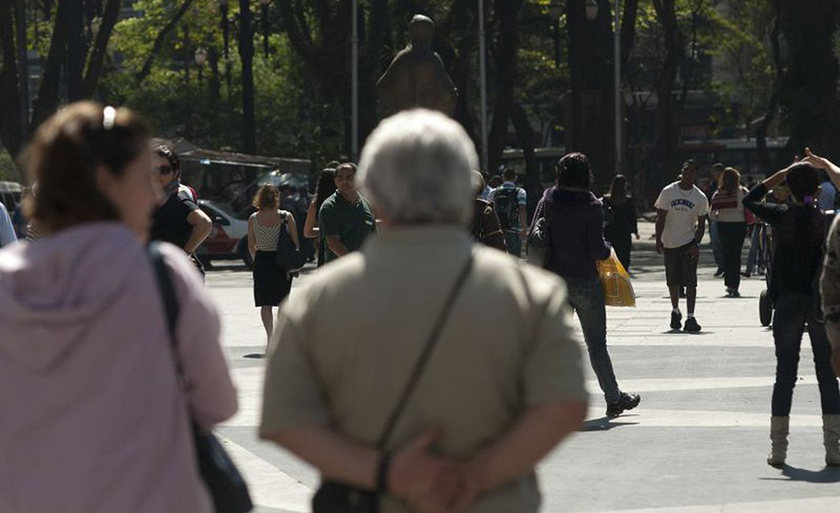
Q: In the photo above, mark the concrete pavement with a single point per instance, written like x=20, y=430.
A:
x=696, y=444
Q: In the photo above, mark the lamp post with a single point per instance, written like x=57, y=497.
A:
x=555, y=11
x=591, y=14
x=482, y=64
x=354, y=93
x=264, y=6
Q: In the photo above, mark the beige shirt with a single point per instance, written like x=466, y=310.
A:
x=345, y=347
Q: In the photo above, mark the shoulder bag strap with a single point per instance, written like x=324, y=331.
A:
x=170, y=300
x=426, y=354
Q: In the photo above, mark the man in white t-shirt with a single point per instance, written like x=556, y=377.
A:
x=680, y=224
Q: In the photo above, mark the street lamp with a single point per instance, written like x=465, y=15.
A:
x=555, y=11
x=200, y=57
x=591, y=9
x=592, y=13
x=264, y=6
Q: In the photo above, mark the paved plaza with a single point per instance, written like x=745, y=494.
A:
x=696, y=444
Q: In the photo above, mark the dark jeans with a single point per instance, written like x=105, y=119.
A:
x=587, y=300
x=622, y=244
x=793, y=312
x=513, y=240
x=732, y=237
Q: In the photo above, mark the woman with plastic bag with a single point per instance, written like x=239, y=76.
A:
x=575, y=245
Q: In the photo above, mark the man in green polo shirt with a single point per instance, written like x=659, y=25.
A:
x=345, y=218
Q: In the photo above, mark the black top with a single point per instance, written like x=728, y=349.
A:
x=169, y=223
x=620, y=218
x=798, y=235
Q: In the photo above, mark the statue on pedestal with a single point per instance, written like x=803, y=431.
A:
x=417, y=76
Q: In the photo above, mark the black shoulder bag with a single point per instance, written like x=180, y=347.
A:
x=540, y=250
x=288, y=258
x=335, y=497
x=223, y=480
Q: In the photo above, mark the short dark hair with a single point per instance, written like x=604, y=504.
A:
x=691, y=162
x=166, y=152
x=719, y=167
x=63, y=158
x=803, y=180
x=346, y=165
x=573, y=170
x=509, y=174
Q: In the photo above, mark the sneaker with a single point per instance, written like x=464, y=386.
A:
x=746, y=275
x=676, y=320
x=718, y=273
x=691, y=325
x=733, y=293
x=626, y=403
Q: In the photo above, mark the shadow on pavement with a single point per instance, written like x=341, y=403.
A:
x=255, y=356
x=604, y=424
x=827, y=475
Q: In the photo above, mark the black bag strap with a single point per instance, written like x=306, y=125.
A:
x=171, y=307
x=434, y=336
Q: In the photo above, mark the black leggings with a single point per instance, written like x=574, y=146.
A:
x=732, y=242
x=794, y=312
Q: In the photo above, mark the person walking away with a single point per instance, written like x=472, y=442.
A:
x=323, y=190
x=7, y=229
x=681, y=210
x=727, y=212
x=510, y=203
x=178, y=220
x=714, y=234
x=798, y=230
x=95, y=419
x=497, y=393
x=485, y=224
x=345, y=218
x=623, y=224
x=271, y=283
x=575, y=218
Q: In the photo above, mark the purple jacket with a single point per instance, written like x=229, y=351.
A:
x=577, y=232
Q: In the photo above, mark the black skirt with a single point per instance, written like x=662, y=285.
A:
x=271, y=284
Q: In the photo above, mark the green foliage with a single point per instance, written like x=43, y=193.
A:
x=8, y=171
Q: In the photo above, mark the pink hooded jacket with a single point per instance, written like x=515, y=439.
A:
x=92, y=418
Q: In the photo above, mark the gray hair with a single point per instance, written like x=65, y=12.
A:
x=416, y=168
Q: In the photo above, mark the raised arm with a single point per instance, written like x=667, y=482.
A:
x=831, y=169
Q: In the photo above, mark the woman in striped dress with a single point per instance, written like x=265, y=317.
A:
x=271, y=283
x=728, y=211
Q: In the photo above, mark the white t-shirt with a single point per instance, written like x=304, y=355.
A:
x=683, y=207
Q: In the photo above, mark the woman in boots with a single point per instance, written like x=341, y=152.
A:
x=799, y=232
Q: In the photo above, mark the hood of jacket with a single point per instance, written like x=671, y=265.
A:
x=568, y=200
x=52, y=290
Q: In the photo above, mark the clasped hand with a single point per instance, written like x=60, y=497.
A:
x=429, y=483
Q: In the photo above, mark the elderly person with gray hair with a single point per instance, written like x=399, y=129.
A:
x=446, y=371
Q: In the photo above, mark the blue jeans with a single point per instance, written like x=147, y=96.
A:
x=795, y=311
x=717, y=245
x=587, y=300
x=513, y=240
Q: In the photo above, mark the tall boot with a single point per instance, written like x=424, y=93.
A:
x=779, y=429
x=831, y=439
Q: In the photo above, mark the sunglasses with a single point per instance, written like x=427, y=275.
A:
x=164, y=170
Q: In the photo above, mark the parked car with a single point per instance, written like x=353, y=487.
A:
x=229, y=238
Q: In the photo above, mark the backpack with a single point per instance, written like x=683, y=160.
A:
x=505, y=201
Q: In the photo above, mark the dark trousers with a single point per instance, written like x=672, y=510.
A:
x=622, y=244
x=587, y=300
x=732, y=237
x=795, y=311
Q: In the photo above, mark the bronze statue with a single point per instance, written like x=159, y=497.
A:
x=417, y=76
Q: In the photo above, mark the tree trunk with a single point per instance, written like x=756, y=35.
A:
x=507, y=16
x=48, y=93
x=76, y=49
x=773, y=102
x=246, y=53
x=100, y=45
x=160, y=39
x=525, y=133
x=667, y=138
x=10, y=121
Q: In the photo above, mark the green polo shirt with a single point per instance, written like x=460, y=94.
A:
x=352, y=223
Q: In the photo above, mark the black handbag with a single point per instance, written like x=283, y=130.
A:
x=220, y=475
x=289, y=258
x=335, y=497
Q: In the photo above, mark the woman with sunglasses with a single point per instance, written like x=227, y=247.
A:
x=177, y=220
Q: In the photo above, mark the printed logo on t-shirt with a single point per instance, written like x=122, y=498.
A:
x=682, y=202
